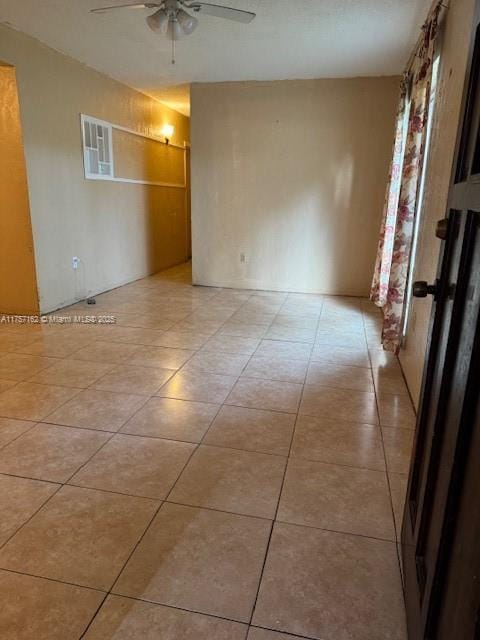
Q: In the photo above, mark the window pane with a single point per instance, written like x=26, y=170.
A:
x=106, y=144
x=101, y=155
x=104, y=168
x=86, y=132
x=93, y=161
x=94, y=136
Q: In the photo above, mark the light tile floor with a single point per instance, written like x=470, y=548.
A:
x=217, y=465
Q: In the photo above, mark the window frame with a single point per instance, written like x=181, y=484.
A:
x=420, y=205
x=86, y=148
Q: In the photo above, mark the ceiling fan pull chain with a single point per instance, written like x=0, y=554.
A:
x=170, y=18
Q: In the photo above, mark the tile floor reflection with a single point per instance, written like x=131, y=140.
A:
x=217, y=465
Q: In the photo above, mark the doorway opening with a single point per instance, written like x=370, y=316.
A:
x=18, y=281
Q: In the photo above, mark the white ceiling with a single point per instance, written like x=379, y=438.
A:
x=289, y=39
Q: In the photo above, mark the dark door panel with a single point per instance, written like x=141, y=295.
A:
x=441, y=527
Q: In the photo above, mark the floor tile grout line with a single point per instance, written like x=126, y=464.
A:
x=279, y=632
x=115, y=433
x=229, y=448
x=199, y=305
x=336, y=531
x=399, y=562
x=154, y=602
x=183, y=504
x=202, y=507
x=155, y=394
x=123, y=566
x=267, y=550
x=330, y=464
x=144, y=397
x=192, y=453
x=56, y=580
x=267, y=547
x=242, y=406
x=139, y=347
x=153, y=344
x=176, y=608
x=173, y=372
x=18, y=529
x=157, y=391
x=34, y=424
x=60, y=485
x=219, y=408
x=130, y=555
x=191, y=357
x=62, y=404
x=90, y=622
x=102, y=446
x=24, y=477
x=197, y=447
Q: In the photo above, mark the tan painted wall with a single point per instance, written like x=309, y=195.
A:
x=120, y=231
x=140, y=158
x=452, y=72
x=292, y=174
x=18, y=286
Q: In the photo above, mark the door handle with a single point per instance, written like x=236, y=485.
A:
x=441, y=230
x=421, y=289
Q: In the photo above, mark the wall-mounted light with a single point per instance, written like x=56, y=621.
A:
x=167, y=132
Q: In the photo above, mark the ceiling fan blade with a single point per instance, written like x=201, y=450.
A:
x=136, y=5
x=222, y=12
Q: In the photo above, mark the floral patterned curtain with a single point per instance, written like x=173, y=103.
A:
x=396, y=234
x=383, y=264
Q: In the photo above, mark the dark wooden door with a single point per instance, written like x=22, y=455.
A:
x=441, y=527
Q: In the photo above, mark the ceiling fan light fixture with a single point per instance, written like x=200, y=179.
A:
x=159, y=21
x=174, y=31
x=187, y=22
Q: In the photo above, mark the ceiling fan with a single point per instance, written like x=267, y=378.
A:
x=171, y=19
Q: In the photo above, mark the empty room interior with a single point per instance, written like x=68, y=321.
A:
x=239, y=320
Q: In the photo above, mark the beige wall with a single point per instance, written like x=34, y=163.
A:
x=18, y=286
x=292, y=174
x=120, y=231
x=454, y=51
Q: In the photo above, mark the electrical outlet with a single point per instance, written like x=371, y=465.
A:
x=75, y=262
x=243, y=258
